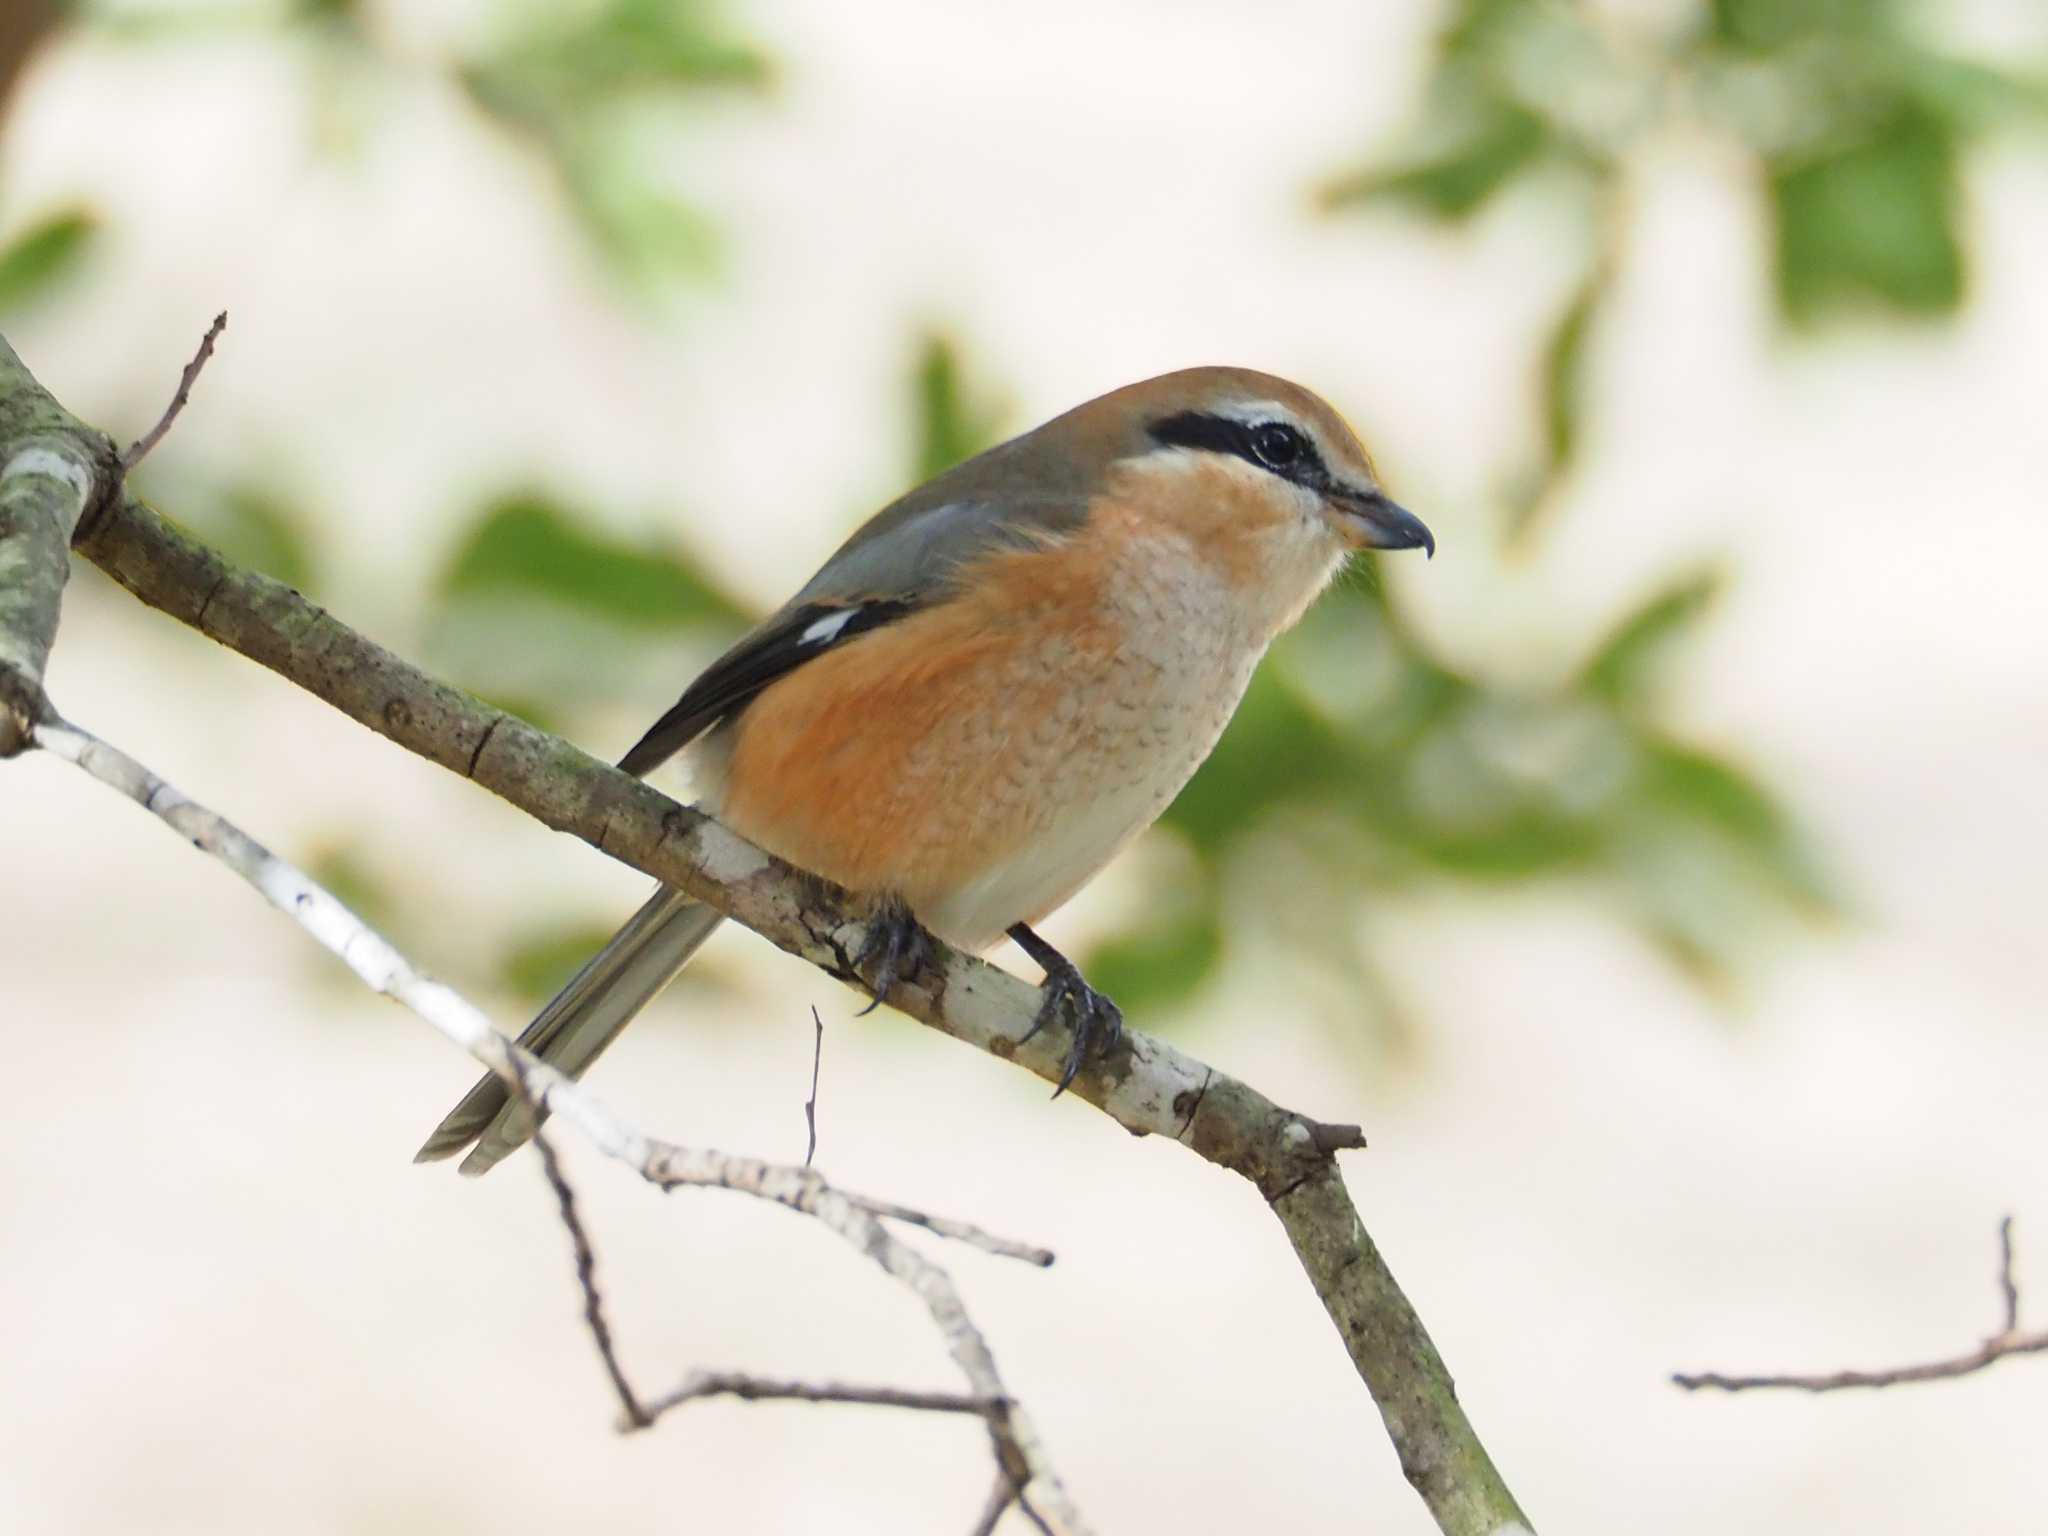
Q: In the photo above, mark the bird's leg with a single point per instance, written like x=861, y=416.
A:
x=896, y=945
x=1098, y=1023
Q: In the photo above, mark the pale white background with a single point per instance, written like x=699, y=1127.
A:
x=228, y=1302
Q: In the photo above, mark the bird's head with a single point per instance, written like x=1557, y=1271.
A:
x=1280, y=450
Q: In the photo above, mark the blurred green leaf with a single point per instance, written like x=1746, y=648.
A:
x=151, y=20
x=1973, y=97
x=1163, y=959
x=648, y=233
x=1621, y=669
x=527, y=545
x=1502, y=141
x=1275, y=749
x=1771, y=26
x=581, y=80
x=1873, y=217
x=354, y=883
x=572, y=56
x=539, y=961
x=1527, y=842
x=1564, y=367
x=1560, y=394
x=953, y=423
x=42, y=256
x=1714, y=794
x=251, y=525
x=258, y=529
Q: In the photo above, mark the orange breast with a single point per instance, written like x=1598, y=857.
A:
x=914, y=758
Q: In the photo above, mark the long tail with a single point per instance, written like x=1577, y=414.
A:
x=584, y=1017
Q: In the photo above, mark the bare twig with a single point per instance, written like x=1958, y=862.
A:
x=1000, y=1498
x=637, y=1416
x=139, y=449
x=1019, y=1454
x=958, y=1231
x=811, y=1104
x=2008, y=1290
x=2007, y=1341
x=759, y=1389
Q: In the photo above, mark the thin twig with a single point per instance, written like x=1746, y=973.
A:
x=586, y=1277
x=2007, y=1341
x=2008, y=1290
x=139, y=449
x=760, y=1389
x=811, y=1104
x=1000, y=1498
x=957, y=1231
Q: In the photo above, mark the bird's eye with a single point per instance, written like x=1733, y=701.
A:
x=1278, y=445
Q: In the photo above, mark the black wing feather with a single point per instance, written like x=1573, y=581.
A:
x=770, y=652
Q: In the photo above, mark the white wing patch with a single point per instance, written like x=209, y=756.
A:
x=824, y=631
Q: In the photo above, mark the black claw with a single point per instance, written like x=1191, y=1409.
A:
x=898, y=948
x=1098, y=1023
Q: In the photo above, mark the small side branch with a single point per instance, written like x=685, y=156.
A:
x=2009, y=1340
x=637, y=1416
x=140, y=448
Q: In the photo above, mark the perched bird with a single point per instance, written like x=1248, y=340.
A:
x=996, y=684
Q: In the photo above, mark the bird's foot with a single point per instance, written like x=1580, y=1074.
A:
x=896, y=946
x=1097, y=1023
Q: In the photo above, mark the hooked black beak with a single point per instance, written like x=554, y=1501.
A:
x=1374, y=522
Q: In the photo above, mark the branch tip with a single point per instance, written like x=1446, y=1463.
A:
x=140, y=448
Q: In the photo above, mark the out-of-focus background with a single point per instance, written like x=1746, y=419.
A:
x=1655, y=873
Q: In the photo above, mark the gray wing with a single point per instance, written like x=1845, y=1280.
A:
x=901, y=560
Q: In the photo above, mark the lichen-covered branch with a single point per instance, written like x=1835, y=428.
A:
x=52, y=469
x=1020, y=1456
x=1151, y=1088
